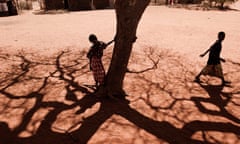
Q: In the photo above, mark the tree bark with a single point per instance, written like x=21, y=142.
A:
x=128, y=14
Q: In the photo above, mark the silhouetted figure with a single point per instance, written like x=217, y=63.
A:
x=10, y=7
x=12, y=10
x=170, y=2
x=95, y=56
x=213, y=66
x=66, y=4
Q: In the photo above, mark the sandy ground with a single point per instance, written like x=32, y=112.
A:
x=45, y=83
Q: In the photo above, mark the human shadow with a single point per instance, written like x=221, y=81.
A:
x=61, y=77
x=218, y=98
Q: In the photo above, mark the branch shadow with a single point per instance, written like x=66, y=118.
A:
x=55, y=105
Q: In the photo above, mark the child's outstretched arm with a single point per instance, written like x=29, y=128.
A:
x=106, y=44
x=222, y=59
x=110, y=42
x=202, y=55
x=114, y=39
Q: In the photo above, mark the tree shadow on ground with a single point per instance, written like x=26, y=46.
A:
x=47, y=100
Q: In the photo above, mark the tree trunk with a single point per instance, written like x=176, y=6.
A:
x=128, y=13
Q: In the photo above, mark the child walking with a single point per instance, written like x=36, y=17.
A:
x=95, y=56
x=213, y=66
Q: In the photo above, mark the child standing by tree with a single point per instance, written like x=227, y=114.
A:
x=95, y=56
x=213, y=66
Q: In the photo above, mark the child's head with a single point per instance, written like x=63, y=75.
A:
x=92, y=38
x=221, y=35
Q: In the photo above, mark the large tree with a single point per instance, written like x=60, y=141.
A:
x=128, y=14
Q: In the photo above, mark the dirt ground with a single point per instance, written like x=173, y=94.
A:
x=46, y=85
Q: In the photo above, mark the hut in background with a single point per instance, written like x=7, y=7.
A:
x=8, y=8
x=75, y=5
x=54, y=4
x=101, y=4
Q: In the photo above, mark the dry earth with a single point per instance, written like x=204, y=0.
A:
x=45, y=82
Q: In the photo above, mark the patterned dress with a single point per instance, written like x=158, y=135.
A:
x=95, y=56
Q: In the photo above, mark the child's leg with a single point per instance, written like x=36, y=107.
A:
x=206, y=70
x=219, y=73
x=224, y=81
